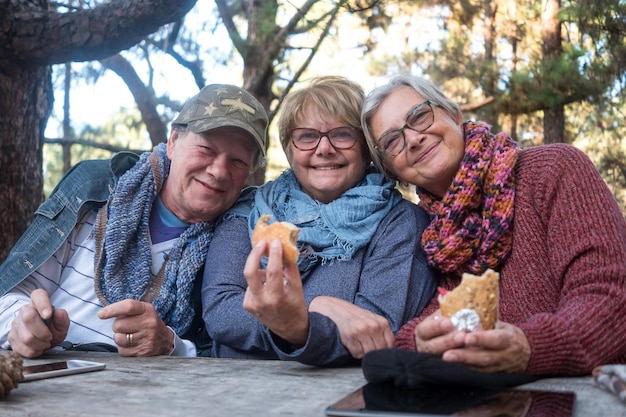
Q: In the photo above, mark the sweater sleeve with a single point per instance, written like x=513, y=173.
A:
x=234, y=331
x=323, y=346
x=405, y=338
x=585, y=235
x=564, y=284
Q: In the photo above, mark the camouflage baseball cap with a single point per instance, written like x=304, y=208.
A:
x=224, y=105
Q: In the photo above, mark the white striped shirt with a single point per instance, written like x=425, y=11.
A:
x=68, y=276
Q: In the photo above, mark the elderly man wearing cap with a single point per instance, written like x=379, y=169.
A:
x=112, y=257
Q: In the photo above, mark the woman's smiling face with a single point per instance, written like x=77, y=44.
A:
x=431, y=158
x=326, y=172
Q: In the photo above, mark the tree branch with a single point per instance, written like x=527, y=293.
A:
x=291, y=26
x=476, y=105
x=48, y=37
x=93, y=144
x=227, y=17
x=305, y=64
x=167, y=45
x=144, y=97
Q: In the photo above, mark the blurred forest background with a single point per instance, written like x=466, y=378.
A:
x=545, y=71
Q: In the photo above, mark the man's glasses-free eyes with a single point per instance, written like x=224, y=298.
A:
x=343, y=137
x=420, y=118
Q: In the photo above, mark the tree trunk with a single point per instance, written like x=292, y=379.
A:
x=67, y=122
x=554, y=117
x=32, y=37
x=25, y=104
x=144, y=97
x=258, y=73
x=490, y=67
x=554, y=125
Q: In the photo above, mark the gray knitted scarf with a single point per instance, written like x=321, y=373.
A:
x=123, y=259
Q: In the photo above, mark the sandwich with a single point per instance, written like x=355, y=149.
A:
x=473, y=302
x=287, y=233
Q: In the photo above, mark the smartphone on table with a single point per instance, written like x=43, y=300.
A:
x=61, y=368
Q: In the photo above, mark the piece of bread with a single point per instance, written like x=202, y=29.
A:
x=286, y=232
x=478, y=293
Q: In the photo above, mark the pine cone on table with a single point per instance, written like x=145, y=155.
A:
x=11, y=367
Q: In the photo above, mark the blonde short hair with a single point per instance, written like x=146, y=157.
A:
x=331, y=96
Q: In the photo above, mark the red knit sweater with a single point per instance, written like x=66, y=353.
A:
x=564, y=283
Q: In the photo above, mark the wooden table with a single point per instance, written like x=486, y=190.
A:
x=167, y=386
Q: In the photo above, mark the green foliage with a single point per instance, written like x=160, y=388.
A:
x=477, y=51
x=550, y=83
x=601, y=135
x=52, y=167
x=473, y=57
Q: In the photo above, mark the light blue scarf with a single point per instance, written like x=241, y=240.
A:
x=328, y=232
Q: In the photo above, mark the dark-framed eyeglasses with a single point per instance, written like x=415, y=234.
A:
x=342, y=137
x=420, y=118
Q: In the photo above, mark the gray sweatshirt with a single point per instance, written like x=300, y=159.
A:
x=389, y=277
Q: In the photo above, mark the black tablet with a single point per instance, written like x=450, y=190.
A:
x=384, y=399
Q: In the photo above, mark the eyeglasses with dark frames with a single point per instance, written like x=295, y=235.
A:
x=342, y=137
x=420, y=118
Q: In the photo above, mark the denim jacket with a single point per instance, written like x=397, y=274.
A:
x=87, y=185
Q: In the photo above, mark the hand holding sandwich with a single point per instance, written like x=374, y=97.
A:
x=465, y=329
x=503, y=349
x=274, y=294
x=276, y=298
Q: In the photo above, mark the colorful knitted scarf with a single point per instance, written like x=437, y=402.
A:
x=471, y=226
x=123, y=259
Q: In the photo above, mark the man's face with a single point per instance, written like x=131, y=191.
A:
x=207, y=173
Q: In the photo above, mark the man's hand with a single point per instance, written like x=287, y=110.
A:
x=138, y=329
x=29, y=335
